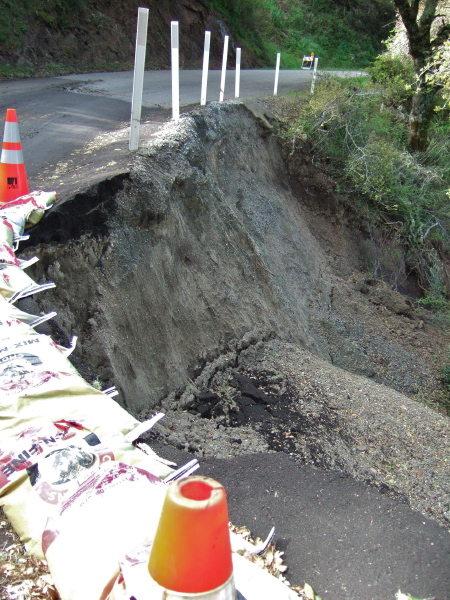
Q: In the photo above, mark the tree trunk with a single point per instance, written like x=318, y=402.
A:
x=418, y=30
x=422, y=112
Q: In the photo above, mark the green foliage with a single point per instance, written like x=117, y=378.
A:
x=243, y=16
x=445, y=376
x=47, y=17
x=396, y=75
x=56, y=14
x=435, y=297
x=345, y=34
x=439, y=73
x=357, y=131
x=13, y=27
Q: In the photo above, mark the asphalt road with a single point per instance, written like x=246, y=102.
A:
x=345, y=539
x=157, y=91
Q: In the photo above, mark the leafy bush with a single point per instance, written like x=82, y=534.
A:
x=440, y=71
x=445, y=376
x=445, y=380
x=396, y=76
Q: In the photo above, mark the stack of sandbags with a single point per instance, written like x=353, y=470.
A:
x=73, y=485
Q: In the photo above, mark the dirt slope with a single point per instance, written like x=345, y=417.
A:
x=209, y=237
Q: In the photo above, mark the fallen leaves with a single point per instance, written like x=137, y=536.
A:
x=22, y=576
x=272, y=561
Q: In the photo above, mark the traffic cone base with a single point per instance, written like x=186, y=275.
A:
x=13, y=177
x=227, y=591
x=191, y=552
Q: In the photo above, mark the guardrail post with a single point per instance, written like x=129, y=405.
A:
x=138, y=79
x=205, y=68
x=175, y=71
x=238, y=73
x=224, y=68
x=313, y=83
x=277, y=72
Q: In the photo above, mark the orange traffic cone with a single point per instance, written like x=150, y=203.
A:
x=13, y=178
x=191, y=553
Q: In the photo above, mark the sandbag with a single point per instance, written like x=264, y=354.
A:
x=46, y=407
x=6, y=232
x=42, y=465
x=27, y=210
x=7, y=255
x=116, y=509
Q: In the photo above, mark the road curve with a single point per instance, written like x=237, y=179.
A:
x=62, y=119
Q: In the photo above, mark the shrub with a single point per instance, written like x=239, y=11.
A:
x=396, y=76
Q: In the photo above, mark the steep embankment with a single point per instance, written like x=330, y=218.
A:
x=101, y=35
x=203, y=243
x=207, y=239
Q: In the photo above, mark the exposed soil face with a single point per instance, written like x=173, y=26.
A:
x=105, y=37
x=222, y=283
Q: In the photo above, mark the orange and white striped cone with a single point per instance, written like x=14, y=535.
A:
x=13, y=178
x=191, y=553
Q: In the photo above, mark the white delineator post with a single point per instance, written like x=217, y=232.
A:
x=238, y=73
x=313, y=82
x=138, y=80
x=205, y=68
x=175, y=71
x=277, y=72
x=224, y=68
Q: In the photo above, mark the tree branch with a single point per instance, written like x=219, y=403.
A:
x=428, y=15
x=407, y=12
x=415, y=7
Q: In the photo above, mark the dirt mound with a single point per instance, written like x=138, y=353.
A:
x=276, y=397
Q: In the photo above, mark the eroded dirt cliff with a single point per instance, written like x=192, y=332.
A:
x=215, y=265
x=208, y=238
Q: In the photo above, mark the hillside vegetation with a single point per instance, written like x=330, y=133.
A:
x=48, y=37
x=384, y=139
x=343, y=33
x=357, y=131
